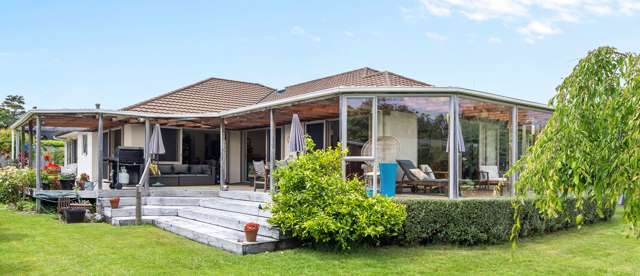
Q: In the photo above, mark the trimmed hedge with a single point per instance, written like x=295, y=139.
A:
x=482, y=221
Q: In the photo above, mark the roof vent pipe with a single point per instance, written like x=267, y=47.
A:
x=97, y=106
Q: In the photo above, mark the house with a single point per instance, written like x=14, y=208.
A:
x=418, y=122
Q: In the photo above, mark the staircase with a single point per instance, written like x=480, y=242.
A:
x=210, y=217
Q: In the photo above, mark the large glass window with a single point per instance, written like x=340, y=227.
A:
x=333, y=133
x=316, y=132
x=200, y=146
x=359, y=121
x=257, y=148
x=414, y=132
x=530, y=124
x=170, y=138
x=485, y=148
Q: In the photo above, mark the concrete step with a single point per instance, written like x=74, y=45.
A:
x=246, y=195
x=162, y=201
x=229, y=219
x=123, y=221
x=182, y=192
x=147, y=210
x=121, y=193
x=217, y=236
x=238, y=206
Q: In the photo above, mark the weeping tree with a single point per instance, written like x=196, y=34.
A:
x=590, y=148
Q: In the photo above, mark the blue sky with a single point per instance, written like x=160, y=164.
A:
x=74, y=54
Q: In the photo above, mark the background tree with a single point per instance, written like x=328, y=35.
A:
x=11, y=109
x=590, y=148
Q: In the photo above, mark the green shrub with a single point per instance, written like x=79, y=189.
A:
x=317, y=206
x=13, y=184
x=483, y=221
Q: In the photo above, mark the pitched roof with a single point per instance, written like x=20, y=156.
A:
x=360, y=77
x=210, y=95
x=215, y=95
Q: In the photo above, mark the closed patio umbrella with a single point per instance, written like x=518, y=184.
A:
x=156, y=146
x=461, y=147
x=296, y=137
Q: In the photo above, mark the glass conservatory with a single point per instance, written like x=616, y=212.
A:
x=439, y=143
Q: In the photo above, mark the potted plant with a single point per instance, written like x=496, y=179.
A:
x=115, y=202
x=83, y=181
x=251, y=231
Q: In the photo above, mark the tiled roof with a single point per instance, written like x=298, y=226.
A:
x=215, y=95
x=359, y=77
x=210, y=95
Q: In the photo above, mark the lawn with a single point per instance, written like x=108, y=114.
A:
x=39, y=244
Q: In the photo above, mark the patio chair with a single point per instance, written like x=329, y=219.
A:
x=415, y=179
x=490, y=176
x=260, y=175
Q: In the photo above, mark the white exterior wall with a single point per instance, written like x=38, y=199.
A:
x=133, y=135
x=88, y=163
x=234, y=156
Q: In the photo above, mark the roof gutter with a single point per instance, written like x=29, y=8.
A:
x=322, y=94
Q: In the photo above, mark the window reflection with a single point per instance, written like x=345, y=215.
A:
x=419, y=128
x=486, y=151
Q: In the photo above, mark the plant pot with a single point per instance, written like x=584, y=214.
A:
x=80, y=185
x=88, y=185
x=66, y=184
x=115, y=202
x=251, y=236
x=74, y=215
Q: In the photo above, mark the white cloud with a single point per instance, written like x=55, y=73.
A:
x=436, y=8
x=629, y=7
x=297, y=30
x=538, y=30
x=494, y=40
x=534, y=19
x=301, y=32
x=435, y=36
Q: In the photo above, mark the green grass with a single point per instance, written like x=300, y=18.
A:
x=39, y=244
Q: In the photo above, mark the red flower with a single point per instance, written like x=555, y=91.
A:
x=251, y=226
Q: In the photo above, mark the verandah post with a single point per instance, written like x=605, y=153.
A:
x=147, y=156
x=223, y=156
x=272, y=148
x=38, y=165
x=453, y=147
x=30, y=151
x=100, y=156
x=514, y=146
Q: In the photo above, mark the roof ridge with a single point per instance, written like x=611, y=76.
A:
x=189, y=86
x=407, y=78
x=365, y=69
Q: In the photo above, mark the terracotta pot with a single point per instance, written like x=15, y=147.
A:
x=250, y=236
x=115, y=202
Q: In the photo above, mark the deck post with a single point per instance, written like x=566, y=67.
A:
x=343, y=132
x=514, y=147
x=100, y=156
x=13, y=144
x=453, y=147
x=374, y=147
x=30, y=150
x=272, y=148
x=38, y=161
x=147, y=132
x=223, y=156
x=20, y=147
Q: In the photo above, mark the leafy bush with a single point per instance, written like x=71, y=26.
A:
x=316, y=205
x=484, y=221
x=13, y=184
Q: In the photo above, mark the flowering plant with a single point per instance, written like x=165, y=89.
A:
x=84, y=177
x=251, y=226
